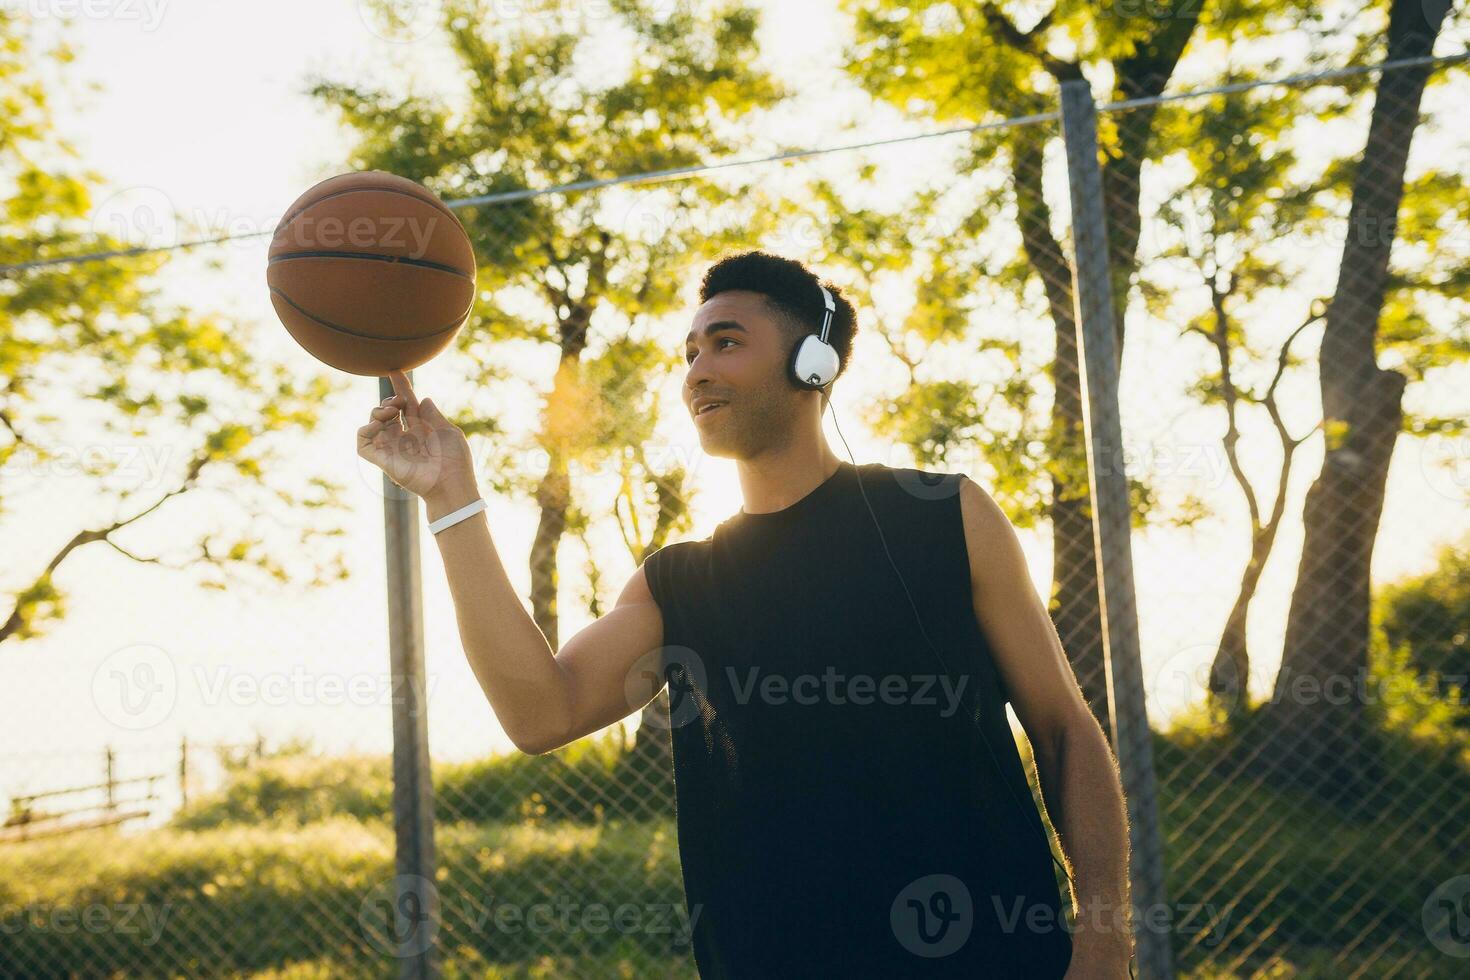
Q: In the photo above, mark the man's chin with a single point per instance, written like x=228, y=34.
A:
x=717, y=447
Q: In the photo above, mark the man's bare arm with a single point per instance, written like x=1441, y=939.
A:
x=1074, y=764
x=542, y=699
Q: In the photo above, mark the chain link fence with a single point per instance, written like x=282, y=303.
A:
x=1310, y=746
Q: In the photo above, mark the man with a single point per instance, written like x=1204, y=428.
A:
x=849, y=803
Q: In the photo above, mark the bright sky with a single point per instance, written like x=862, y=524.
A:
x=202, y=116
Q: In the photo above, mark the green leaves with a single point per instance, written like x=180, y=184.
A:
x=102, y=380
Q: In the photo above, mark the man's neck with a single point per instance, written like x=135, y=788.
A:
x=774, y=483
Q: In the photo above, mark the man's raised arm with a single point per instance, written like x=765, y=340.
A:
x=542, y=698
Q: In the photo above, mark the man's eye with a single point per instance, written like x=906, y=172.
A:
x=689, y=355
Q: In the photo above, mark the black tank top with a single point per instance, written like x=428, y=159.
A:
x=837, y=811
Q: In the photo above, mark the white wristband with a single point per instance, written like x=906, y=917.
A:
x=449, y=520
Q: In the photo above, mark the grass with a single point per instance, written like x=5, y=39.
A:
x=285, y=873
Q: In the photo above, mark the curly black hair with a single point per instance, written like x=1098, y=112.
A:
x=790, y=289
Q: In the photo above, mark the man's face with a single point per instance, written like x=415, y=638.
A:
x=736, y=354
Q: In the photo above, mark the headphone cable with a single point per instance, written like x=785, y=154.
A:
x=940, y=657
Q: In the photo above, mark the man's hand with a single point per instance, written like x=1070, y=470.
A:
x=419, y=449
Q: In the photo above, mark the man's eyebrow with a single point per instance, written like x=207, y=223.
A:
x=717, y=327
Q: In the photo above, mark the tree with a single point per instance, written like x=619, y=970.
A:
x=173, y=386
x=579, y=275
x=968, y=63
x=1240, y=212
x=1234, y=199
x=1327, y=630
x=1430, y=615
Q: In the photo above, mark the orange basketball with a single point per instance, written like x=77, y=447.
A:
x=371, y=273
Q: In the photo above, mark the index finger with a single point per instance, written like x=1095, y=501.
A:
x=401, y=386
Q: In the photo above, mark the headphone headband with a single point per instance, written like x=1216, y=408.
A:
x=831, y=307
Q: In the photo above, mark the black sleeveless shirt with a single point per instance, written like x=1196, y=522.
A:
x=838, y=814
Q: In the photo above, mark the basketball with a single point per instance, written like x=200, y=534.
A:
x=371, y=273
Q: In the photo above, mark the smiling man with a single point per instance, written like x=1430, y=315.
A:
x=865, y=828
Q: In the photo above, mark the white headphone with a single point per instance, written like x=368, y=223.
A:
x=814, y=361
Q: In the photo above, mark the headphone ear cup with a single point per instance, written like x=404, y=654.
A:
x=814, y=358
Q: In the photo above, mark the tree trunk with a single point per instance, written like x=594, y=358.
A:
x=1074, y=605
x=653, y=749
x=553, y=496
x=1318, y=709
x=1230, y=672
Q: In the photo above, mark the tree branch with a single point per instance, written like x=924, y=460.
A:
x=1029, y=42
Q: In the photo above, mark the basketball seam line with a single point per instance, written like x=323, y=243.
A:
x=435, y=202
x=417, y=263
x=353, y=333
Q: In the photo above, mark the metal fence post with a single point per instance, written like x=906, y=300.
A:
x=1097, y=342
x=415, y=894
x=111, y=767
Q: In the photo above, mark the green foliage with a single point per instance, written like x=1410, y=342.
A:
x=1425, y=619
x=137, y=378
x=590, y=781
x=277, y=901
x=1272, y=875
x=549, y=101
x=1284, y=872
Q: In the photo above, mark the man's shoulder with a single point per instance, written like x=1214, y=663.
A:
x=915, y=482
